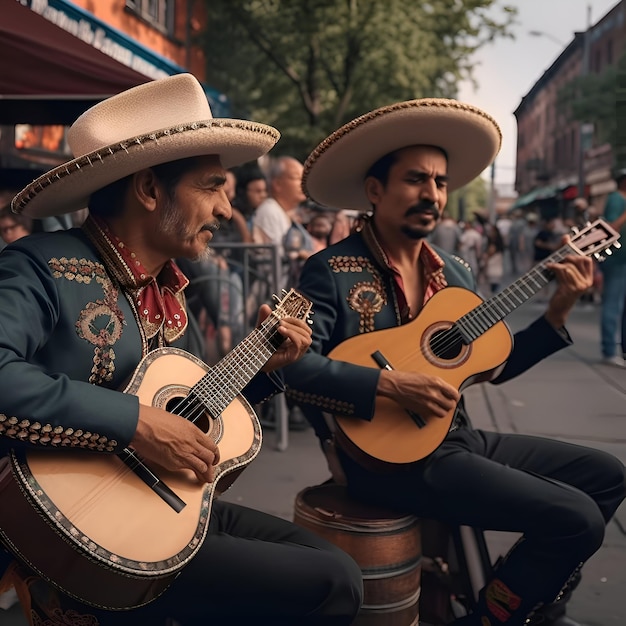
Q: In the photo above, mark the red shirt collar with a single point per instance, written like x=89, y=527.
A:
x=159, y=301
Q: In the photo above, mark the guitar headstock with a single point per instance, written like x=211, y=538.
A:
x=292, y=304
x=595, y=239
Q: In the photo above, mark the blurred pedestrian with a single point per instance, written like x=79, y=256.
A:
x=14, y=226
x=319, y=227
x=275, y=215
x=343, y=224
x=516, y=240
x=447, y=234
x=493, y=258
x=613, y=268
x=526, y=251
x=471, y=247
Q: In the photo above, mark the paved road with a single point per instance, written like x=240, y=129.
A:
x=570, y=396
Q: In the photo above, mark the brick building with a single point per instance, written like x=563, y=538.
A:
x=557, y=157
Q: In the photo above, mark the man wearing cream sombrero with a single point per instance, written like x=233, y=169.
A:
x=398, y=164
x=80, y=309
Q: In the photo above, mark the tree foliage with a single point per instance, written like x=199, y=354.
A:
x=474, y=197
x=593, y=99
x=308, y=66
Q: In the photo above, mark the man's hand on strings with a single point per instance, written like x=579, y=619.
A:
x=574, y=276
x=297, y=334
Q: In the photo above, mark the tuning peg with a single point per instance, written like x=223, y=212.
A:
x=575, y=230
x=617, y=245
x=608, y=252
x=598, y=257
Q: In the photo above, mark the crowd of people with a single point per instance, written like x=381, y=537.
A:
x=179, y=221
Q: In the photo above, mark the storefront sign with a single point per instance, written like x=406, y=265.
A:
x=102, y=37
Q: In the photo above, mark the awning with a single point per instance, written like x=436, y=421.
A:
x=542, y=193
x=56, y=60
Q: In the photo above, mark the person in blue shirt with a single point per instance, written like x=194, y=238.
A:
x=613, y=268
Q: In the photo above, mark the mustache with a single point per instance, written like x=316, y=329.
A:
x=213, y=226
x=424, y=206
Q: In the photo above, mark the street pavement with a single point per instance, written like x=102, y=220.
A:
x=570, y=396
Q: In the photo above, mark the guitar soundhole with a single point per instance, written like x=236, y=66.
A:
x=442, y=345
x=204, y=422
x=195, y=414
x=446, y=345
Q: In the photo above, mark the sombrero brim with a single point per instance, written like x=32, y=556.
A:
x=67, y=188
x=334, y=172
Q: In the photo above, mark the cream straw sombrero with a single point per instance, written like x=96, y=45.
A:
x=159, y=121
x=334, y=172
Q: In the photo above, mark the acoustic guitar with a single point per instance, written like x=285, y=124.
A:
x=457, y=336
x=113, y=531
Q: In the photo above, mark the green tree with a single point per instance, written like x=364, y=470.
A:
x=593, y=99
x=309, y=66
x=474, y=197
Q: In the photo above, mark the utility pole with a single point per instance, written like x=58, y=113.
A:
x=492, y=194
x=583, y=129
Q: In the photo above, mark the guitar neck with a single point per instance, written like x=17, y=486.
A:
x=227, y=378
x=480, y=319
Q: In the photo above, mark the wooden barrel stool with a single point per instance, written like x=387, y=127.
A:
x=385, y=544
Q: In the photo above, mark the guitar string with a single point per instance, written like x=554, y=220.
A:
x=489, y=312
x=485, y=315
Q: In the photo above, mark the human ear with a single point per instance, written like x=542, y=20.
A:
x=373, y=189
x=146, y=188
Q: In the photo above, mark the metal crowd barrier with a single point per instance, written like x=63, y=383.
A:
x=250, y=275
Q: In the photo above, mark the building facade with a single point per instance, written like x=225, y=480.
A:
x=559, y=159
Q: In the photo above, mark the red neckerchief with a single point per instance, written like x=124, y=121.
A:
x=159, y=301
x=434, y=279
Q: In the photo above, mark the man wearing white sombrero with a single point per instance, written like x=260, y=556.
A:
x=386, y=405
x=116, y=524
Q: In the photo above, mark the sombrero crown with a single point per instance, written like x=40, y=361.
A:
x=335, y=171
x=160, y=121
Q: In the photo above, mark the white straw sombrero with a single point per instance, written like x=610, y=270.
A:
x=160, y=121
x=334, y=172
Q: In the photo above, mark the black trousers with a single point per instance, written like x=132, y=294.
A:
x=558, y=495
x=253, y=568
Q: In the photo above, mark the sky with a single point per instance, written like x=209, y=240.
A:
x=507, y=69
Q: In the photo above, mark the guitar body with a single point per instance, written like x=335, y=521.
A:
x=392, y=436
x=88, y=524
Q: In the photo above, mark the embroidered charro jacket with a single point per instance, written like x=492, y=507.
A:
x=72, y=332
x=351, y=286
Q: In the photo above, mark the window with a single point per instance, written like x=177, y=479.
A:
x=159, y=13
x=41, y=139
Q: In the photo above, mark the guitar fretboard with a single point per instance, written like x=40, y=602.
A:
x=480, y=319
x=225, y=380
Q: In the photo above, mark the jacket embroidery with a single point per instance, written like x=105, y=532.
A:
x=366, y=298
x=100, y=322
x=46, y=434
x=324, y=402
